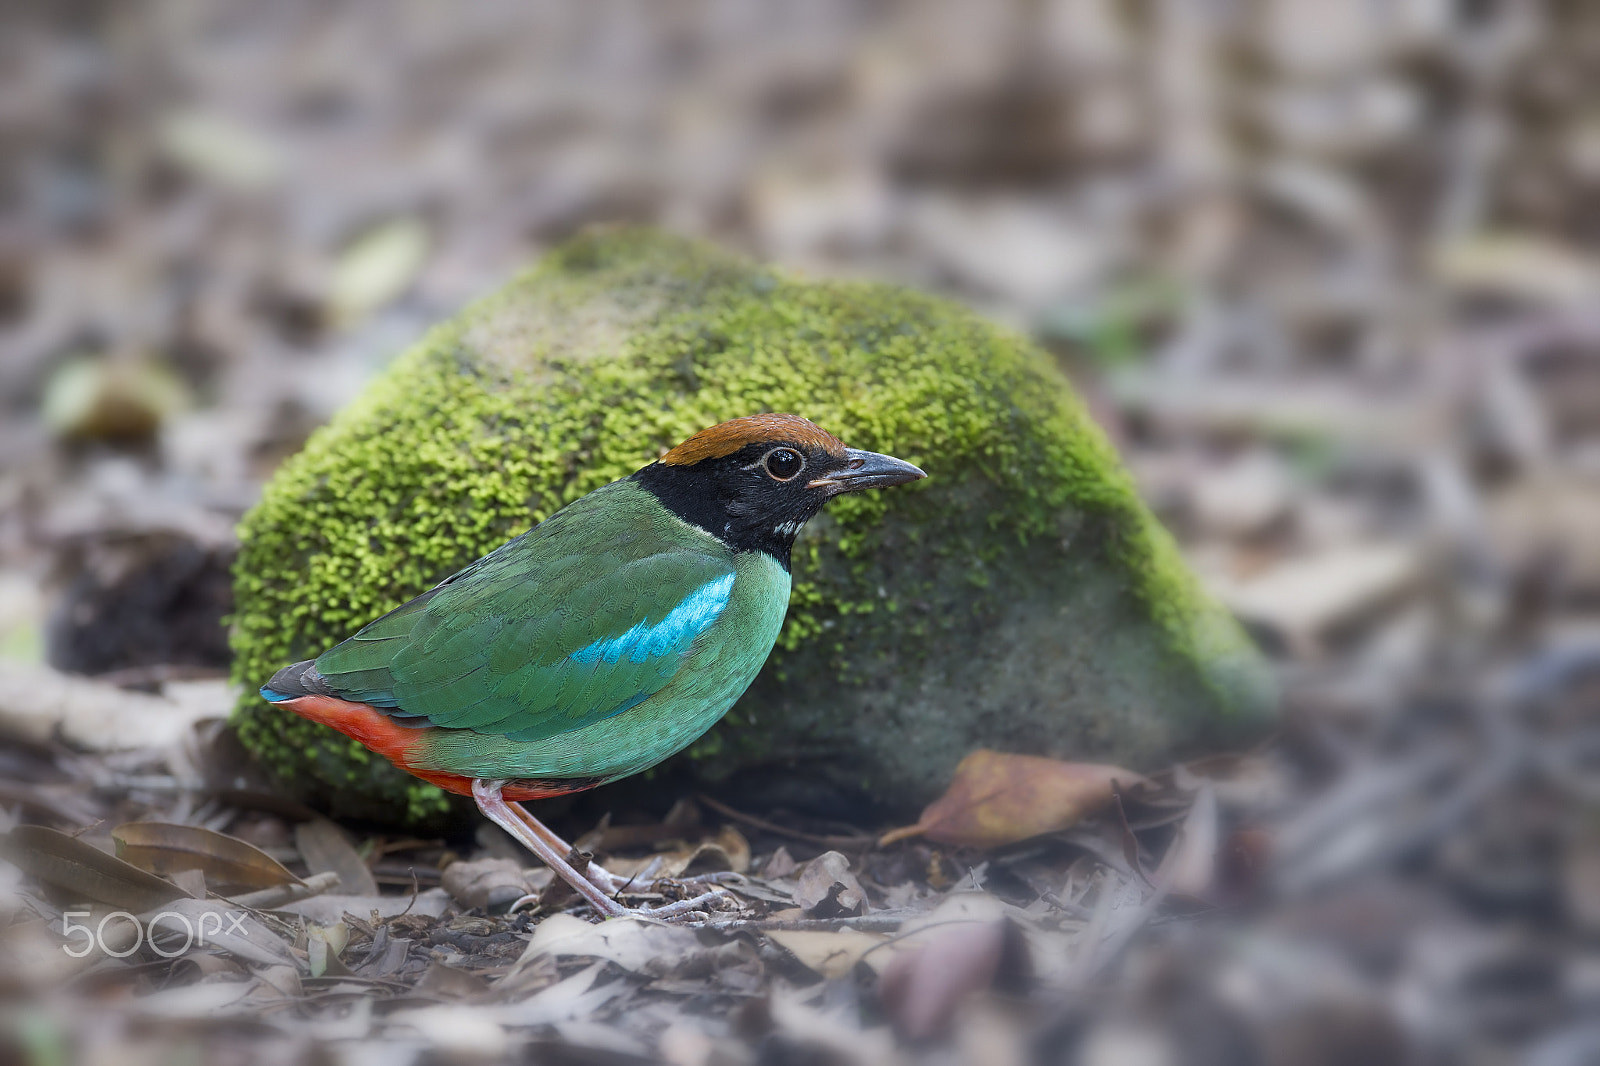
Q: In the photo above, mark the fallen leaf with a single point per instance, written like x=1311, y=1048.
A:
x=728, y=851
x=1523, y=266
x=375, y=268
x=574, y=997
x=781, y=864
x=831, y=954
x=111, y=399
x=633, y=944
x=456, y=1032
x=85, y=871
x=449, y=982
x=228, y=863
x=491, y=883
x=193, y=882
x=1304, y=599
x=220, y=926
x=430, y=903
x=221, y=148
x=324, y=848
x=205, y=999
x=997, y=799
x=921, y=989
x=282, y=979
x=323, y=945
x=1190, y=865
x=827, y=888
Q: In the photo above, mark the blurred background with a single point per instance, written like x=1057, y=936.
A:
x=1327, y=273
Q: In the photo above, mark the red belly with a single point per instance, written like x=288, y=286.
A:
x=379, y=733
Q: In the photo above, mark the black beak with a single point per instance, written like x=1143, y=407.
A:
x=866, y=470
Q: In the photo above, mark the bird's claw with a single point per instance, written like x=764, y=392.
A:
x=695, y=908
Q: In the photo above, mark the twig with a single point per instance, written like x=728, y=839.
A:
x=866, y=923
x=278, y=895
x=1130, y=843
x=772, y=827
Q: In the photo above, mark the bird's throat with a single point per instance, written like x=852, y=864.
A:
x=688, y=495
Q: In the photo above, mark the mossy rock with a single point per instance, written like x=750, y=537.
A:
x=1020, y=598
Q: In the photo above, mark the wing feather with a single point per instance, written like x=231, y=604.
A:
x=537, y=638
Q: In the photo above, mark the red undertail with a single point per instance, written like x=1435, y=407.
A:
x=377, y=732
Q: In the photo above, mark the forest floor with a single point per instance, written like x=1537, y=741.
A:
x=1354, y=365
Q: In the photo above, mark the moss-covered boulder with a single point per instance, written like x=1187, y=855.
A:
x=1020, y=598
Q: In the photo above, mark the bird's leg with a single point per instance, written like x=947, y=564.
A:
x=534, y=836
x=604, y=880
x=505, y=814
x=607, y=882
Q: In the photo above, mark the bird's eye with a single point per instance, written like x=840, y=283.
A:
x=784, y=463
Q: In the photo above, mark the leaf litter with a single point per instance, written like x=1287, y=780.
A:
x=1371, y=426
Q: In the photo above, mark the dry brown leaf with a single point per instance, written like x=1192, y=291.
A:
x=997, y=799
x=86, y=871
x=324, y=848
x=728, y=851
x=228, y=863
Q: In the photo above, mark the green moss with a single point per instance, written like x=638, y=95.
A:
x=621, y=344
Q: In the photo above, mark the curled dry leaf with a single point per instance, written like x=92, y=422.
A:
x=728, y=851
x=827, y=888
x=228, y=863
x=323, y=946
x=491, y=883
x=998, y=799
x=635, y=944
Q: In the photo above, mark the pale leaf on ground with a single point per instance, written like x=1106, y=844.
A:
x=829, y=953
x=634, y=944
x=816, y=887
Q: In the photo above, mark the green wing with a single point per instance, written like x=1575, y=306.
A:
x=573, y=622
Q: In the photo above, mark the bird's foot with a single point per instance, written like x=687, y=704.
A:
x=611, y=883
x=694, y=908
x=598, y=886
x=686, y=909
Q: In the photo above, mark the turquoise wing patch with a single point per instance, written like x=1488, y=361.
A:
x=673, y=634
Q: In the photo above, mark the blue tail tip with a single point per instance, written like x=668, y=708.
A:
x=273, y=695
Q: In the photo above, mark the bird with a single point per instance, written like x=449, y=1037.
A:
x=603, y=640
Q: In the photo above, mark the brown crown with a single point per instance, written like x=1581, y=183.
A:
x=728, y=437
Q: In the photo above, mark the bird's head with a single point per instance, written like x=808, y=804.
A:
x=754, y=481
